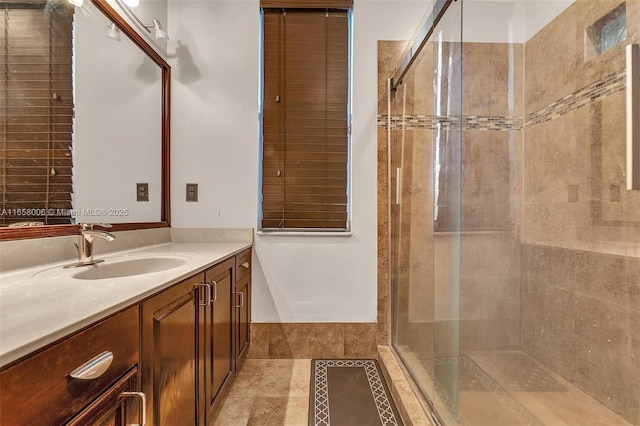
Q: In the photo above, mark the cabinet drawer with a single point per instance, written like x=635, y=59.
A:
x=243, y=264
x=39, y=390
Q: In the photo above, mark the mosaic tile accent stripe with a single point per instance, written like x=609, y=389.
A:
x=471, y=122
x=578, y=99
x=607, y=86
x=320, y=403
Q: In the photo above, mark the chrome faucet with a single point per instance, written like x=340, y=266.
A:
x=85, y=243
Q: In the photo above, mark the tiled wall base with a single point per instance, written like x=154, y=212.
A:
x=580, y=316
x=406, y=400
x=313, y=340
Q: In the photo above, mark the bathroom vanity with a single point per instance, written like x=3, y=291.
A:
x=158, y=347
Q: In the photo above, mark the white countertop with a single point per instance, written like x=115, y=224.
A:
x=38, y=310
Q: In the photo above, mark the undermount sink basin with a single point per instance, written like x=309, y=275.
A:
x=119, y=267
x=128, y=267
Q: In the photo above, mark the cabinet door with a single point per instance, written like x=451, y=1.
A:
x=243, y=316
x=218, y=340
x=170, y=371
x=114, y=407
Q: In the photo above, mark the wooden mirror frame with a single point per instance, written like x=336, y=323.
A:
x=8, y=233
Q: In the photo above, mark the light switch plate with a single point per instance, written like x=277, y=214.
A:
x=142, y=191
x=192, y=192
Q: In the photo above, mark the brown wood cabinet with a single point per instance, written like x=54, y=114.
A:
x=40, y=389
x=191, y=334
x=218, y=333
x=242, y=306
x=171, y=323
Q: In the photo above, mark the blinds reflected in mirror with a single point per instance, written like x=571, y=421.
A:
x=37, y=112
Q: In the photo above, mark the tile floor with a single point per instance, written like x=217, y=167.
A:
x=268, y=392
x=507, y=388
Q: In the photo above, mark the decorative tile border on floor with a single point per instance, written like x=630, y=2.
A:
x=498, y=392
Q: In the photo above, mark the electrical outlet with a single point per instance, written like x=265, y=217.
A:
x=142, y=191
x=192, y=192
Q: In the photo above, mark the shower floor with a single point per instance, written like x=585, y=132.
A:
x=505, y=388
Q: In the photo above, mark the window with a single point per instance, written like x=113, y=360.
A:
x=36, y=101
x=305, y=123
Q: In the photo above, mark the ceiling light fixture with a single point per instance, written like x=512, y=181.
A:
x=113, y=32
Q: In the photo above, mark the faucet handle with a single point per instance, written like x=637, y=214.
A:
x=89, y=226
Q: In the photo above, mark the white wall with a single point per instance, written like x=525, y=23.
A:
x=215, y=143
x=118, y=127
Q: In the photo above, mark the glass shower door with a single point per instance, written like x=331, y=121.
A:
x=425, y=194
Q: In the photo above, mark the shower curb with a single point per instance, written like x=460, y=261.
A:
x=408, y=404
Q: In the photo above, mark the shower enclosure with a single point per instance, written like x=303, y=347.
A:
x=513, y=243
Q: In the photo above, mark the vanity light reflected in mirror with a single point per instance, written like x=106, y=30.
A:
x=158, y=32
x=113, y=32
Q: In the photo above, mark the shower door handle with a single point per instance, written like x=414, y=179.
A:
x=633, y=117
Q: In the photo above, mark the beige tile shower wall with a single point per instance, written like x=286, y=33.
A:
x=492, y=87
x=580, y=316
x=574, y=169
x=389, y=53
x=580, y=306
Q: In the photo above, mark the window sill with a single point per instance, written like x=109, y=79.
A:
x=304, y=234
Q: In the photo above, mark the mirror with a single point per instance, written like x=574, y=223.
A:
x=85, y=121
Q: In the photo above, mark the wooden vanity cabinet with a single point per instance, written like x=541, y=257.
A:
x=190, y=336
x=242, y=306
x=40, y=389
x=171, y=371
x=179, y=347
x=218, y=348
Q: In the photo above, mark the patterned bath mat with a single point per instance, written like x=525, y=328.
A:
x=348, y=393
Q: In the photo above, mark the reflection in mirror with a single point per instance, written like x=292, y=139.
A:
x=82, y=118
x=118, y=91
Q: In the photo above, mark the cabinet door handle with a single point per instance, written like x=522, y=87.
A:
x=245, y=265
x=143, y=404
x=93, y=368
x=241, y=299
x=214, y=284
x=206, y=302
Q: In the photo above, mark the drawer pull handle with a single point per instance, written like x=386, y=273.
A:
x=143, y=405
x=93, y=368
x=245, y=265
x=208, y=295
x=241, y=294
x=214, y=285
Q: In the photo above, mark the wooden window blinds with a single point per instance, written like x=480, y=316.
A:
x=36, y=105
x=305, y=119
